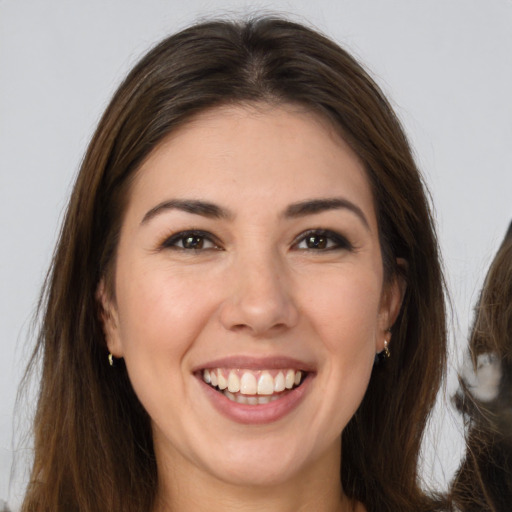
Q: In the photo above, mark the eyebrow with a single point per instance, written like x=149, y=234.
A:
x=213, y=211
x=314, y=206
x=196, y=207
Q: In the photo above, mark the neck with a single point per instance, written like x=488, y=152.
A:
x=184, y=487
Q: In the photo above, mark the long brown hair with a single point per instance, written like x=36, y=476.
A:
x=93, y=446
x=483, y=482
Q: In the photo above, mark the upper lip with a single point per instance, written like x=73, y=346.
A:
x=257, y=363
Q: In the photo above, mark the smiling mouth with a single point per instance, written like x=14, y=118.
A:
x=253, y=387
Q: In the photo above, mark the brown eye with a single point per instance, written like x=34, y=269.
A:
x=322, y=240
x=191, y=241
x=316, y=242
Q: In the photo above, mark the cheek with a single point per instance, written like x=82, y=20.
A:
x=161, y=312
x=160, y=320
x=346, y=311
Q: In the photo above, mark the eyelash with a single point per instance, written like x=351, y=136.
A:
x=334, y=241
x=202, y=236
x=322, y=240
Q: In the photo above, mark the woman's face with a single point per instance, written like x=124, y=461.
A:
x=249, y=258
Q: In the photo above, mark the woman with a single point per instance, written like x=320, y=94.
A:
x=247, y=231
x=484, y=480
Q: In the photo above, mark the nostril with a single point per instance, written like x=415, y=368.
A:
x=256, y=329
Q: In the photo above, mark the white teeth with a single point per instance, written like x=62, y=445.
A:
x=242, y=385
x=229, y=395
x=233, y=382
x=248, y=385
x=279, y=384
x=241, y=399
x=289, y=379
x=222, y=383
x=249, y=400
x=265, y=384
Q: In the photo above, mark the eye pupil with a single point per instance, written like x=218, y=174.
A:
x=316, y=242
x=193, y=242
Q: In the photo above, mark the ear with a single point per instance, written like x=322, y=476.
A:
x=391, y=303
x=109, y=320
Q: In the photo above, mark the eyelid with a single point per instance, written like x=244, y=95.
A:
x=170, y=242
x=341, y=242
x=338, y=241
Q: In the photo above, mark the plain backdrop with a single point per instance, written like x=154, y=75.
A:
x=445, y=64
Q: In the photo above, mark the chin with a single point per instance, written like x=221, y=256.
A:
x=261, y=464
x=257, y=473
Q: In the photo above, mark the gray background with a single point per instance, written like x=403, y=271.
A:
x=445, y=64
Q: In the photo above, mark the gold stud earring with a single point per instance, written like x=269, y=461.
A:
x=110, y=359
x=384, y=354
x=387, y=353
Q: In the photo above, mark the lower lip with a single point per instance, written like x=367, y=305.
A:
x=257, y=414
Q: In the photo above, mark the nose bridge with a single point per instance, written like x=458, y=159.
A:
x=260, y=296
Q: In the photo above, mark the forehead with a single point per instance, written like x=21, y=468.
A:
x=252, y=152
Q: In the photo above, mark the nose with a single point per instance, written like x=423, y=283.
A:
x=259, y=297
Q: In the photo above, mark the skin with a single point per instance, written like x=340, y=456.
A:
x=254, y=288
